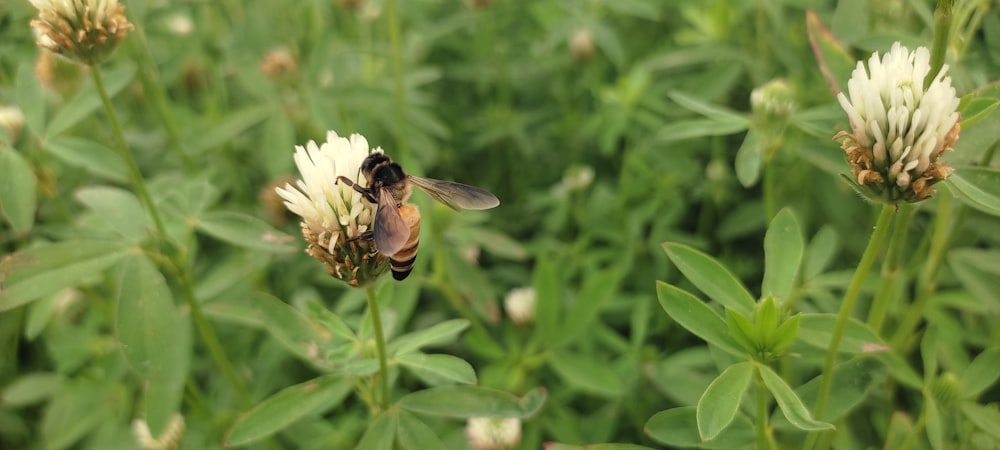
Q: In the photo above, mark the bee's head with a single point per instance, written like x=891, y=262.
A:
x=372, y=162
x=380, y=170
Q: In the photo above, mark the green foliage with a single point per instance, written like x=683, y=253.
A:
x=149, y=272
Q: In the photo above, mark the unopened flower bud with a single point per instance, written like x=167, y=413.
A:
x=581, y=44
x=520, y=305
x=170, y=439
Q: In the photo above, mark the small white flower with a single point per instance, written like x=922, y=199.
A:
x=898, y=128
x=12, y=119
x=488, y=433
x=520, y=305
x=180, y=24
x=335, y=217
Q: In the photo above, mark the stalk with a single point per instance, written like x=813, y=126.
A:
x=383, y=371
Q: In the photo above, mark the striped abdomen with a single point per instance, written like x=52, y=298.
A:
x=401, y=263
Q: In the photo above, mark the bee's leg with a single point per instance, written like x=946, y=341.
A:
x=366, y=236
x=365, y=192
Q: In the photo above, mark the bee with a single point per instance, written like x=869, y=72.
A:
x=397, y=223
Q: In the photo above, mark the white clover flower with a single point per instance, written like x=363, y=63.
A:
x=335, y=217
x=520, y=305
x=85, y=31
x=12, y=119
x=899, y=129
x=170, y=438
x=489, y=433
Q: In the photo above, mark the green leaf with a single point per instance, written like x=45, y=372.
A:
x=705, y=108
x=216, y=134
x=817, y=330
x=587, y=374
x=851, y=385
x=783, y=249
x=833, y=60
x=381, y=432
x=30, y=98
x=935, y=426
x=749, y=158
x=119, y=209
x=742, y=331
x=719, y=403
x=244, y=230
x=678, y=427
x=88, y=155
x=30, y=389
x=711, y=278
x=694, y=315
x=41, y=271
x=438, y=370
x=820, y=252
x=985, y=418
x=155, y=338
x=789, y=402
x=974, y=108
x=440, y=334
x=696, y=128
x=556, y=446
x=981, y=373
x=286, y=407
x=472, y=401
x=76, y=409
x=598, y=290
x=304, y=337
x=88, y=101
x=18, y=191
x=979, y=272
x=548, y=297
x=978, y=187
x=414, y=434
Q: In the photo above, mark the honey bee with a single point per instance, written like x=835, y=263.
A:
x=397, y=223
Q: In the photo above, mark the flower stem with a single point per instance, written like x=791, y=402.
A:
x=392, y=16
x=925, y=282
x=847, y=306
x=133, y=169
x=183, y=271
x=942, y=32
x=760, y=423
x=891, y=270
x=207, y=334
x=383, y=371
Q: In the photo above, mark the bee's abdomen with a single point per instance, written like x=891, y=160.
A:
x=401, y=263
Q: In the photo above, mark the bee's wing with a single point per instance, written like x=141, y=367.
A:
x=391, y=232
x=456, y=195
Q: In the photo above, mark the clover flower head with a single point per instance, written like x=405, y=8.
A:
x=85, y=31
x=899, y=128
x=336, y=219
x=491, y=433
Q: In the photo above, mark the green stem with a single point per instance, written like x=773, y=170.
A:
x=942, y=34
x=891, y=270
x=383, y=370
x=847, y=306
x=133, y=169
x=760, y=423
x=184, y=280
x=207, y=333
x=392, y=15
x=925, y=281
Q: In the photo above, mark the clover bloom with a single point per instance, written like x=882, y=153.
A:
x=85, y=31
x=336, y=218
x=899, y=128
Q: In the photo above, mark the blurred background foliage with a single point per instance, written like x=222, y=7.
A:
x=606, y=127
